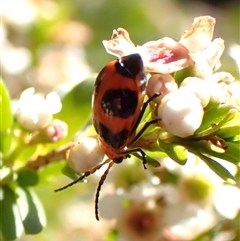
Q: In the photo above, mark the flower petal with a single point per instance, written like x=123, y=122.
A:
x=213, y=53
x=120, y=43
x=164, y=56
x=200, y=35
x=227, y=201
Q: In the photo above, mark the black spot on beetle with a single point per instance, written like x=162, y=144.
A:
x=114, y=140
x=120, y=102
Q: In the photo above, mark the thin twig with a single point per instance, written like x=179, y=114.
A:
x=53, y=156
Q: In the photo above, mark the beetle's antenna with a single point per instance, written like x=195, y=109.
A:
x=103, y=178
x=86, y=174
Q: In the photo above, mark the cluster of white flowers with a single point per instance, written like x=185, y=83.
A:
x=143, y=205
x=181, y=106
x=35, y=113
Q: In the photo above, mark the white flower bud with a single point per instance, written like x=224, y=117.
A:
x=162, y=84
x=181, y=113
x=85, y=155
x=199, y=87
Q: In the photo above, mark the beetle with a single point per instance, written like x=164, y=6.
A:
x=117, y=109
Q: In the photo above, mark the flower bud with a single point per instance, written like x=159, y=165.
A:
x=85, y=155
x=199, y=87
x=160, y=83
x=56, y=130
x=181, y=113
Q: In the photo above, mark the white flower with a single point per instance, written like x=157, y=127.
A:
x=234, y=52
x=200, y=35
x=15, y=60
x=234, y=89
x=144, y=192
x=186, y=221
x=140, y=222
x=34, y=112
x=23, y=14
x=180, y=112
x=204, y=52
x=161, y=56
x=202, y=196
x=227, y=201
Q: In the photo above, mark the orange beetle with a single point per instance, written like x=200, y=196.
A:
x=118, y=106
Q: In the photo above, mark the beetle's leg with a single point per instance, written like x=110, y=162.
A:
x=137, y=149
x=146, y=125
x=145, y=104
x=103, y=177
x=86, y=174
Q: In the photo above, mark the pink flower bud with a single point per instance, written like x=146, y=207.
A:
x=56, y=130
x=162, y=84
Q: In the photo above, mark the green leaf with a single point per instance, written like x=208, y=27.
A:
x=180, y=75
x=208, y=145
x=230, y=154
x=228, y=132
x=232, y=127
x=11, y=223
x=50, y=173
x=152, y=162
x=7, y=175
x=220, y=113
x=5, y=107
x=76, y=109
x=23, y=153
x=31, y=210
x=218, y=169
x=112, y=235
x=5, y=142
x=69, y=172
x=176, y=152
x=234, y=139
x=233, y=150
x=27, y=177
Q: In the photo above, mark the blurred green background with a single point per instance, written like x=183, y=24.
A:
x=55, y=44
x=42, y=38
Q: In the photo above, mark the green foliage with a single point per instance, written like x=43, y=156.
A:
x=19, y=203
x=5, y=107
x=6, y=118
x=13, y=228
